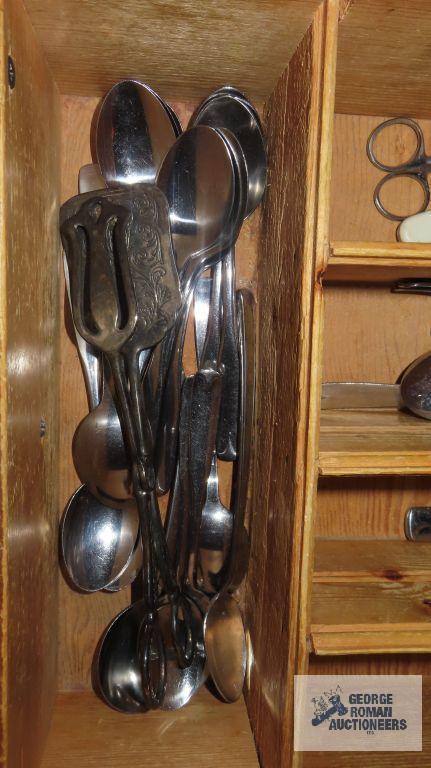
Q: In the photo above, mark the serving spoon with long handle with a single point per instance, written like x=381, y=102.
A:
x=224, y=632
x=206, y=213
x=228, y=108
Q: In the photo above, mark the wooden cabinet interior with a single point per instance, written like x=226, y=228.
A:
x=320, y=261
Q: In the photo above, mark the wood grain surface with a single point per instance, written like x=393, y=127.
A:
x=372, y=441
x=299, y=146
x=184, y=49
x=377, y=262
x=29, y=391
x=371, y=596
x=372, y=334
x=383, y=59
x=366, y=507
x=353, y=213
x=205, y=734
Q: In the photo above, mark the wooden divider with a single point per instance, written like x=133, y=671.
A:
x=29, y=263
x=294, y=240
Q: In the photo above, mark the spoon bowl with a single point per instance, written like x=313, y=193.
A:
x=97, y=542
x=99, y=454
x=228, y=109
x=197, y=177
x=134, y=131
x=118, y=667
x=225, y=645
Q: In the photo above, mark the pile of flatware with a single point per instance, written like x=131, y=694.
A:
x=151, y=236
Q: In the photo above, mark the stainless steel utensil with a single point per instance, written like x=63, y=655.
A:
x=134, y=132
x=206, y=209
x=98, y=446
x=216, y=520
x=97, y=542
x=224, y=633
x=99, y=454
x=417, y=524
x=230, y=110
x=123, y=268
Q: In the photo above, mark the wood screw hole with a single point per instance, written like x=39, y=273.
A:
x=11, y=74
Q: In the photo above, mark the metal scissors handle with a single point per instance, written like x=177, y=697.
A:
x=417, y=167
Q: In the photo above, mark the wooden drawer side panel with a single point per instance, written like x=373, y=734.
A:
x=285, y=472
x=29, y=374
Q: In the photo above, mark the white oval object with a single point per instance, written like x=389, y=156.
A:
x=416, y=229
x=90, y=179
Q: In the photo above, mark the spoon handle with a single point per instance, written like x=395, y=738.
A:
x=201, y=305
x=151, y=644
x=167, y=439
x=204, y=412
x=89, y=357
x=229, y=365
x=236, y=567
x=209, y=357
x=166, y=451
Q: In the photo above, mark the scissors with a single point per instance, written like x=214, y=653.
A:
x=417, y=167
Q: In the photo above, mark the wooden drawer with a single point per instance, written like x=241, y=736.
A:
x=306, y=256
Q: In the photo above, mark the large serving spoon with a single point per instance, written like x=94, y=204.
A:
x=224, y=633
x=228, y=108
x=413, y=390
x=415, y=385
x=206, y=208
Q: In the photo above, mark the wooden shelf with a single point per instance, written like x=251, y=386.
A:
x=371, y=596
x=377, y=262
x=374, y=442
x=88, y=734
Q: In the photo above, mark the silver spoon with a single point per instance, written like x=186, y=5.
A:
x=216, y=520
x=224, y=633
x=97, y=542
x=228, y=108
x=134, y=131
x=206, y=211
